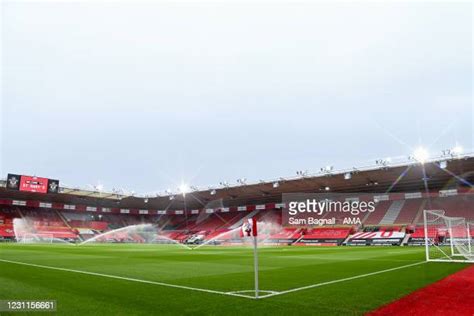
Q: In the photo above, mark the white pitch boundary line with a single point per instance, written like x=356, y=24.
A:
x=127, y=279
x=341, y=280
x=214, y=291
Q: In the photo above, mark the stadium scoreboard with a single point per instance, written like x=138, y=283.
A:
x=32, y=184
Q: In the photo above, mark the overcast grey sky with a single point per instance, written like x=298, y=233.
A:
x=144, y=95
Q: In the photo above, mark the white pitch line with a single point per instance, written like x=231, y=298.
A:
x=253, y=291
x=341, y=280
x=214, y=291
x=127, y=279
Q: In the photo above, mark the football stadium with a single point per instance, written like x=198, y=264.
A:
x=194, y=252
x=236, y=157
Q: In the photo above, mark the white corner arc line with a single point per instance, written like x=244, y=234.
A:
x=253, y=291
x=128, y=279
x=342, y=280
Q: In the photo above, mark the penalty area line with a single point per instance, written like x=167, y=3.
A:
x=342, y=280
x=183, y=287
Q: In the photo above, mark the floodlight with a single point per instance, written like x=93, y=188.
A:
x=302, y=173
x=347, y=176
x=242, y=181
x=183, y=188
x=276, y=184
x=327, y=169
x=457, y=150
x=421, y=155
x=383, y=162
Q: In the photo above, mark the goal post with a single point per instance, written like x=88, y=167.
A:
x=447, y=239
x=470, y=233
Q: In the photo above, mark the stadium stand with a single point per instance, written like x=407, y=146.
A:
x=327, y=233
x=6, y=223
x=379, y=213
x=46, y=222
x=406, y=216
x=409, y=212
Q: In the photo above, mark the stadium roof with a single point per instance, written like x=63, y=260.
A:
x=406, y=177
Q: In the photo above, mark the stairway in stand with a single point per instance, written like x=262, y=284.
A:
x=392, y=212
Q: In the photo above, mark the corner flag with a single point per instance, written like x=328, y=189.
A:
x=249, y=228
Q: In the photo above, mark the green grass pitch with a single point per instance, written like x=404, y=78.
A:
x=219, y=269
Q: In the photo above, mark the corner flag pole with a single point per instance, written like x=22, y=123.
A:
x=255, y=254
x=255, y=264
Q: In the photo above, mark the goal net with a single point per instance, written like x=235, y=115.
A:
x=447, y=239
